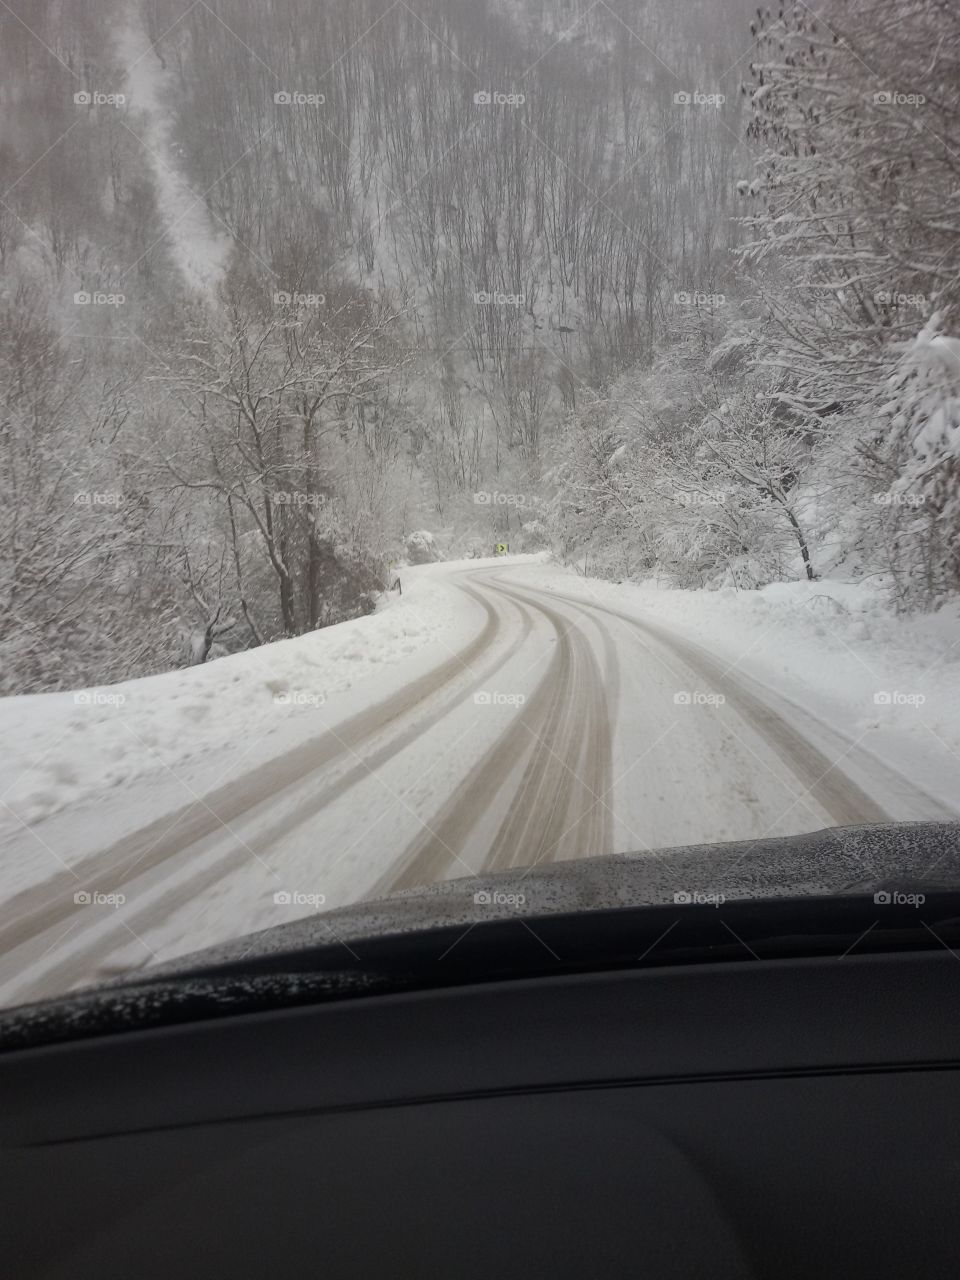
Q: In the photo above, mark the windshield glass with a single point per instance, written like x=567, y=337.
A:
x=448, y=436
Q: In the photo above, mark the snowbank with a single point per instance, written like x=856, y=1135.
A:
x=63, y=747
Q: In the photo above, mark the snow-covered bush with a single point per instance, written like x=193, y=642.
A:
x=534, y=536
x=918, y=457
x=421, y=547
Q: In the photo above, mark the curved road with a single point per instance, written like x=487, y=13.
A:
x=564, y=729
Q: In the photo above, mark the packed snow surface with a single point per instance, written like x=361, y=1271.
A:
x=496, y=713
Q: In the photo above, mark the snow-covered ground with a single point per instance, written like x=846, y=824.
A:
x=835, y=649
x=499, y=712
x=200, y=247
x=64, y=749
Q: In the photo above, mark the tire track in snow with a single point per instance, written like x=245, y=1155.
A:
x=562, y=741
x=544, y=789
x=109, y=936
x=42, y=907
x=820, y=777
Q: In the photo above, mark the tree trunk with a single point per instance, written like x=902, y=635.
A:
x=804, y=549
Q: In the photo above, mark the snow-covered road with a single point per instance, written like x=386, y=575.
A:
x=527, y=717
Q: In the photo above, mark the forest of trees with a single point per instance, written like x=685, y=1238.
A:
x=669, y=288
x=813, y=426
